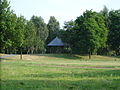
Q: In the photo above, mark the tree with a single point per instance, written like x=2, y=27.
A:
x=5, y=13
x=19, y=32
x=30, y=35
x=11, y=28
x=68, y=35
x=41, y=33
x=87, y=34
x=92, y=32
x=114, y=30
x=53, y=27
x=105, y=13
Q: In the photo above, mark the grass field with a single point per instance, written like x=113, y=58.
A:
x=60, y=72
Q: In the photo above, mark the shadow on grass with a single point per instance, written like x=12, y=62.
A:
x=93, y=80
x=5, y=59
x=65, y=56
x=60, y=84
x=75, y=56
x=102, y=80
x=116, y=57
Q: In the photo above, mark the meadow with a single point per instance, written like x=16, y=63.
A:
x=60, y=72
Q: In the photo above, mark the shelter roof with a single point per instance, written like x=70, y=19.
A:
x=56, y=42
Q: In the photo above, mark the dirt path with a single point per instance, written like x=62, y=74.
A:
x=10, y=55
x=87, y=67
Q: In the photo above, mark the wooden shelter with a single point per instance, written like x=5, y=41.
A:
x=56, y=46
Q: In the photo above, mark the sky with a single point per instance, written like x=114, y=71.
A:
x=63, y=10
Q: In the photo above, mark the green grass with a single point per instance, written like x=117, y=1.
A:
x=60, y=72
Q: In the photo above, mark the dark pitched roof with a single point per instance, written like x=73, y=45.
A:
x=56, y=42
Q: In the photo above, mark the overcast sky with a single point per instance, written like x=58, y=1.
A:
x=63, y=10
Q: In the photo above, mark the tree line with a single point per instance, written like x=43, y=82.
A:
x=94, y=33
x=30, y=36
x=91, y=33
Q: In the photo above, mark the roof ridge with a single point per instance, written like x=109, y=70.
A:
x=56, y=42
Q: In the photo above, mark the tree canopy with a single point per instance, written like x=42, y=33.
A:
x=90, y=33
x=87, y=33
x=114, y=30
x=11, y=28
x=53, y=28
x=41, y=33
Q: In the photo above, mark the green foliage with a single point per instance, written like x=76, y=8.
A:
x=5, y=13
x=87, y=34
x=30, y=35
x=105, y=13
x=94, y=30
x=68, y=35
x=16, y=33
x=54, y=28
x=114, y=31
x=11, y=28
x=41, y=27
x=19, y=32
x=41, y=33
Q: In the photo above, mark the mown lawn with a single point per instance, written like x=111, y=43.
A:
x=60, y=72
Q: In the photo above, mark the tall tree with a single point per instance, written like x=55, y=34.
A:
x=88, y=33
x=92, y=32
x=41, y=33
x=19, y=32
x=5, y=13
x=105, y=13
x=30, y=35
x=53, y=27
x=114, y=30
x=11, y=28
x=68, y=35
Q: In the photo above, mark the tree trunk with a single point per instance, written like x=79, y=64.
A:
x=89, y=55
x=28, y=51
x=7, y=51
x=0, y=58
x=32, y=50
x=21, y=54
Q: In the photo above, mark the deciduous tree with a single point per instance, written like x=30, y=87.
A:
x=53, y=27
x=114, y=30
x=41, y=33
